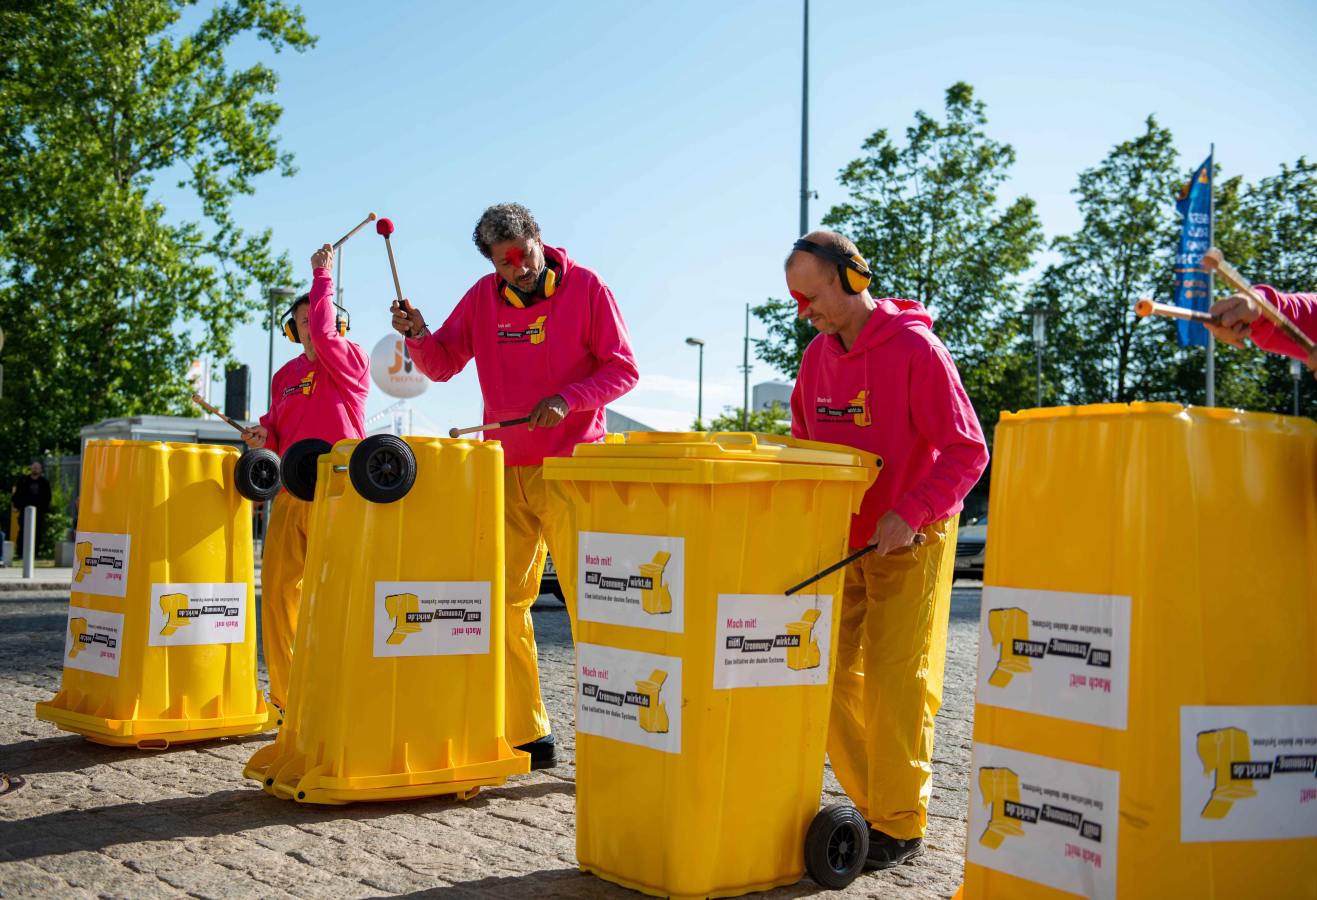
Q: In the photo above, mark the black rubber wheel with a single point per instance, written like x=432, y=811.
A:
x=836, y=846
x=382, y=468
x=298, y=468
x=257, y=475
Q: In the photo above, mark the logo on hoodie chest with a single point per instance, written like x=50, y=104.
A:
x=303, y=387
x=856, y=409
x=534, y=333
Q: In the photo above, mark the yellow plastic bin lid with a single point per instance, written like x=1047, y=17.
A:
x=704, y=457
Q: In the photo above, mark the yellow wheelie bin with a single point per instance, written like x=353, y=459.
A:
x=703, y=690
x=396, y=690
x=160, y=645
x=1146, y=711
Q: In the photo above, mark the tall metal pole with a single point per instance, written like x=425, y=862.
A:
x=1038, y=353
x=699, y=403
x=745, y=369
x=804, y=130
x=269, y=360
x=1211, y=279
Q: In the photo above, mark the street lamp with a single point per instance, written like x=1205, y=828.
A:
x=278, y=296
x=1296, y=372
x=1040, y=314
x=699, y=405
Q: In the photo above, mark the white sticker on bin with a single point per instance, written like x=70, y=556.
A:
x=191, y=614
x=629, y=696
x=1044, y=820
x=1055, y=653
x=1248, y=773
x=768, y=640
x=93, y=641
x=636, y=580
x=431, y=618
x=100, y=563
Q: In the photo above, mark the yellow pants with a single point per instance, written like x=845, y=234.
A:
x=528, y=526
x=282, y=563
x=888, y=686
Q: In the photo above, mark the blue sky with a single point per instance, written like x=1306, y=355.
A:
x=659, y=143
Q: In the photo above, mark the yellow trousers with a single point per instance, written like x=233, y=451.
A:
x=282, y=563
x=528, y=526
x=888, y=686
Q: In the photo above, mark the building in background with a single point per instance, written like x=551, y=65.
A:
x=766, y=393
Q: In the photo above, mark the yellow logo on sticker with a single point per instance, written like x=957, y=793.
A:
x=654, y=717
x=806, y=654
x=999, y=787
x=172, y=604
x=1225, y=755
x=398, y=606
x=1006, y=626
x=77, y=628
x=656, y=599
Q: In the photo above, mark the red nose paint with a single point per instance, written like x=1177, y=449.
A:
x=514, y=257
x=801, y=302
x=384, y=227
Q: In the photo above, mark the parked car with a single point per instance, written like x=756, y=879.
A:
x=549, y=580
x=971, y=548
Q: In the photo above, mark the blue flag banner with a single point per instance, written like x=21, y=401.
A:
x=1192, y=283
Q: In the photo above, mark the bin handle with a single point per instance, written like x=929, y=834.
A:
x=742, y=437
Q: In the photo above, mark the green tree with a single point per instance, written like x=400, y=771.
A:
x=1122, y=251
x=774, y=420
x=929, y=217
x=105, y=294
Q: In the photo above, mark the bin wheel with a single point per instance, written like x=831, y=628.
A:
x=836, y=846
x=299, y=467
x=257, y=475
x=382, y=468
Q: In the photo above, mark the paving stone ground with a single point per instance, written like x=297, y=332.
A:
x=95, y=821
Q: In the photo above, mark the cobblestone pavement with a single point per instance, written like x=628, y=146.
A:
x=97, y=821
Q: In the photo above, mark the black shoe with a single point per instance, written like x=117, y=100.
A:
x=886, y=851
x=543, y=752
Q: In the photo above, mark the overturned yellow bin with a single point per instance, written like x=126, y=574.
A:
x=396, y=690
x=160, y=645
x=702, y=690
x=1146, y=715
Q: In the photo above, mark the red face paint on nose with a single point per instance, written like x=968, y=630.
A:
x=514, y=257
x=801, y=302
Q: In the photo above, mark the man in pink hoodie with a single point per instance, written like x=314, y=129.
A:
x=321, y=393
x=876, y=378
x=1242, y=318
x=549, y=342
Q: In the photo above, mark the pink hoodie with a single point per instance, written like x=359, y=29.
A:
x=895, y=393
x=1301, y=309
x=574, y=344
x=324, y=399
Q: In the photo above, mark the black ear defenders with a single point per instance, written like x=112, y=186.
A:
x=342, y=322
x=852, y=270
x=544, y=287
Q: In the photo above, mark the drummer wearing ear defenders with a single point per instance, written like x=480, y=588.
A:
x=320, y=393
x=549, y=342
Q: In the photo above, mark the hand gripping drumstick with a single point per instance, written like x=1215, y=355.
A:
x=915, y=541
x=1144, y=308
x=458, y=432
x=344, y=239
x=196, y=398
x=384, y=228
x=1215, y=261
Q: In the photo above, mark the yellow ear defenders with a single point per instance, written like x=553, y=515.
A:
x=544, y=288
x=342, y=321
x=852, y=270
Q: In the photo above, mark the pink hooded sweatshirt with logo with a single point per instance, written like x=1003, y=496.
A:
x=324, y=399
x=573, y=343
x=1301, y=309
x=895, y=393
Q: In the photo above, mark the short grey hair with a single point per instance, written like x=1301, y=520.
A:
x=504, y=222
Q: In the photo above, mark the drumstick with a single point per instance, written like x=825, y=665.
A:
x=344, y=239
x=1145, y=307
x=458, y=432
x=1215, y=261
x=196, y=398
x=915, y=541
